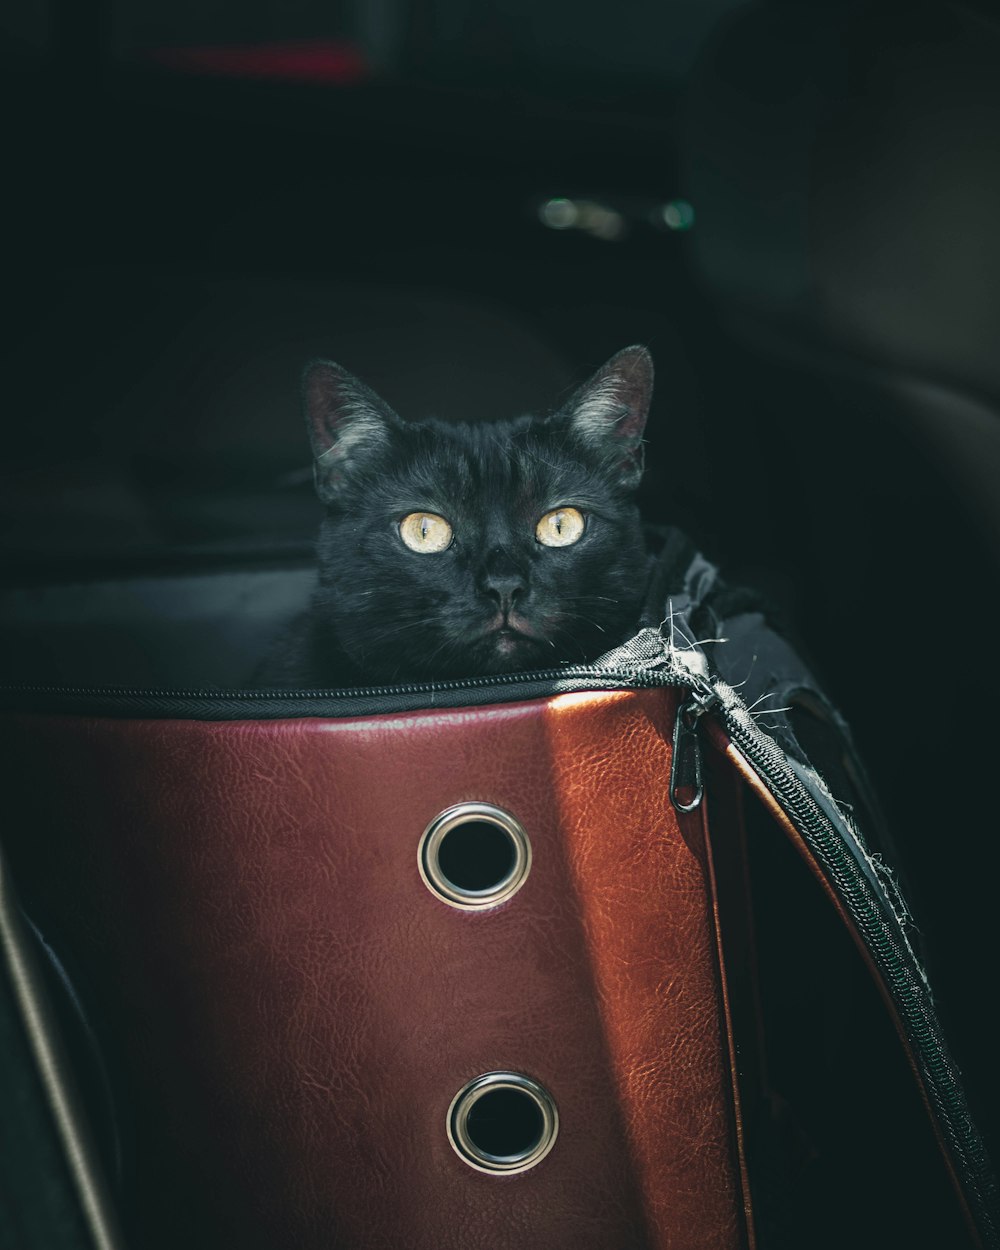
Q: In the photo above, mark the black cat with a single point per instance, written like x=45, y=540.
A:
x=459, y=550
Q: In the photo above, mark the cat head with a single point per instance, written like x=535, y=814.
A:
x=454, y=550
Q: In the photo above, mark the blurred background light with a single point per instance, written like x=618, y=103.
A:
x=598, y=220
x=678, y=215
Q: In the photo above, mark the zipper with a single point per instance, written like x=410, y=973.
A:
x=687, y=781
x=220, y=704
x=331, y=693
x=642, y=663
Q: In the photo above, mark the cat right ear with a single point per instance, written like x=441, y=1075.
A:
x=608, y=413
x=349, y=425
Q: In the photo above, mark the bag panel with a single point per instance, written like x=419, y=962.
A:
x=298, y=1009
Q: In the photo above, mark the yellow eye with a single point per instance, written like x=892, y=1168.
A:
x=425, y=532
x=560, y=528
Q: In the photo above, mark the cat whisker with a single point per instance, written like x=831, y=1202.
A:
x=446, y=645
x=589, y=598
x=579, y=616
x=375, y=638
x=383, y=635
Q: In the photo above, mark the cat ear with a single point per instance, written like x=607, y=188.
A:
x=349, y=425
x=608, y=413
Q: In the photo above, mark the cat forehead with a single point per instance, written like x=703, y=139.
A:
x=524, y=457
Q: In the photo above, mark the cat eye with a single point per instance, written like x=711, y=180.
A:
x=425, y=532
x=560, y=528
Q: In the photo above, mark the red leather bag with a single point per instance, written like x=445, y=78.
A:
x=301, y=1003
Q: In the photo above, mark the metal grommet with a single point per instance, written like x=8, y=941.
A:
x=502, y=1122
x=474, y=855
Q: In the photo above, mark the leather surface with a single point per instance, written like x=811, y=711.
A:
x=294, y=1009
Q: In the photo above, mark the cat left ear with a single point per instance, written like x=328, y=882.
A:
x=349, y=425
x=608, y=413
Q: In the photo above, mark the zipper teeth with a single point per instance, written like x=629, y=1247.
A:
x=638, y=678
x=896, y=962
x=332, y=693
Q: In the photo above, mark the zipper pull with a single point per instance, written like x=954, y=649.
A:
x=687, y=784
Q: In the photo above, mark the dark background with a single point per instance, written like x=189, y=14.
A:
x=472, y=205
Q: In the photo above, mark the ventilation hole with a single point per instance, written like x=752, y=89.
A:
x=476, y=855
x=505, y=1124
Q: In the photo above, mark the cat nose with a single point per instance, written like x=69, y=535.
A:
x=505, y=591
x=503, y=581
